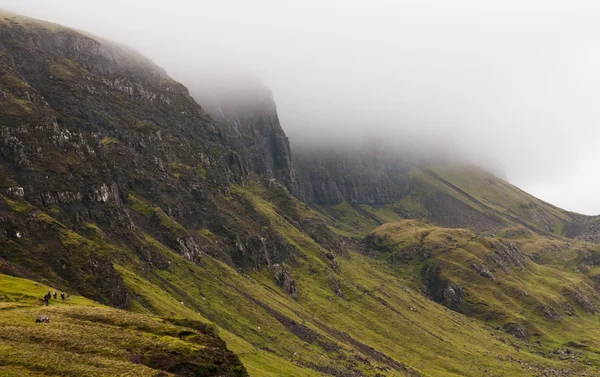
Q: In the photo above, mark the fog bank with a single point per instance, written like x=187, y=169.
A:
x=510, y=84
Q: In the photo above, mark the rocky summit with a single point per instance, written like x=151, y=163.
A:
x=180, y=232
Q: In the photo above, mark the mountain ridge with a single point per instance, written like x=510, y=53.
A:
x=116, y=185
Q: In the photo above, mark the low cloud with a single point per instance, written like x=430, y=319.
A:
x=510, y=84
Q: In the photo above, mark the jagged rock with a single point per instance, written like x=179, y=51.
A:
x=517, y=331
x=589, y=257
x=284, y=279
x=189, y=248
x=568, y=309
x=318, y=230
x=549, y=312
x=583, y=268
x=60, y=197
x=441, y=290
x=153, y=257
x=590, y=232
x=535, y=257
x=483, y=271
x=582, y=300
x=376, y=241
x=247, y=114
x=453, y=297
x=105, y=194
x=258, y=251
x=506, y=255
x=15, y=192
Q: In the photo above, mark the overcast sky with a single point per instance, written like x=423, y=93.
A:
x=514, y=82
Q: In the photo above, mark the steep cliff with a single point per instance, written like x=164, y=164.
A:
x=366, y=175
x=246, y=112
x=448, y=193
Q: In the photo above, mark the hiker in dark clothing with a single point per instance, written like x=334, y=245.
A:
x=62, y=296
x=47, y=297
x=54, y=294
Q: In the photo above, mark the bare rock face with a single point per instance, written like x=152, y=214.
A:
x=483, y=271
x=506, y=256
x=260, y=251
x=284, y=279
x=549, y=312
x=453, y=297
x=517, y=331
x=590, y=231
x=246, y=112
x=441, y=290
x=189, y=248
x=362, y=176
x=581, y=299
x=84, y=124
x=320, y=232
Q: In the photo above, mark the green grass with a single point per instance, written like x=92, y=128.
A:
x=108, y=142
x=18, y=205
x=201, y=170
x=504, y=197
x=383, y=310
x=378, y=298
x=85, y=338
x=143, y=207
x=382, y=307
x=146, y=126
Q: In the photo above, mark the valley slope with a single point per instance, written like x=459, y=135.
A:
x=118, y=187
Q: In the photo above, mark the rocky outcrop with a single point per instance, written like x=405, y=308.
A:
x=506, y=256
x=42, y=319
x=549, y=312
x=284, y=279
x=319, y=231
x=581, y=299
x=260, y=251
x=440, y=289
x=483, y=271
x=588, y=230
x=335, y=286
x=517, y=331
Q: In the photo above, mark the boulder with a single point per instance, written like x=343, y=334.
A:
x=42, y=319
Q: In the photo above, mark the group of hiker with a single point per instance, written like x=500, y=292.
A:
x=49, y=295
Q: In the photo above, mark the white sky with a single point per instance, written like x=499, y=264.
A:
x=514, y=83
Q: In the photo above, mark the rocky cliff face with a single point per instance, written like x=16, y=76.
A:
x=247, y=114
x=99, y=136
x=368, y=175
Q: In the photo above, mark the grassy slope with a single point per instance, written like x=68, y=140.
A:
x=505, y=198
x=470, y=185
x=378, y=309
x=86, y=338
x=517, y=295
x=382, y=324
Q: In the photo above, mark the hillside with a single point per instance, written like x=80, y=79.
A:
x=449, y=194
x=118, y=187
x=86, y=338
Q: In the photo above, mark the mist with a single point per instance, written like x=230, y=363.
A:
x=511, y=85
